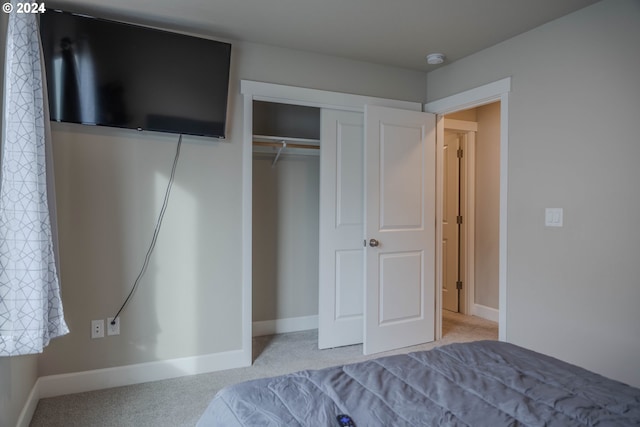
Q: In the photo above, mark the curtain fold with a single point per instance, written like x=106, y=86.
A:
x=30, y=305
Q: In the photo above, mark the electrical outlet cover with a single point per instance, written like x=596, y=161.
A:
x=97, y=329
x=113, y=329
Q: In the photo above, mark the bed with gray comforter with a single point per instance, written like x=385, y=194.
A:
x=485, y=383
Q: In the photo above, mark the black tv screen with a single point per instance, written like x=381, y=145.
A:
x=107, y=73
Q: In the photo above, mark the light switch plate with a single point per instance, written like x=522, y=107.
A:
x=553, y=217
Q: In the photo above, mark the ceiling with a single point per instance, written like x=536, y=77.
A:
x=393, y=32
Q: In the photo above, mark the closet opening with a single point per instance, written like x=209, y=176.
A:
x=285, y=217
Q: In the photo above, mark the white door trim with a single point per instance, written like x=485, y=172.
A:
x=294, y=95
x=271, y=92
x=469, y=219
x=461, y=125
x=491, y=92
x=471, y=98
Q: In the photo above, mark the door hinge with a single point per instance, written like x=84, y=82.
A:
x=460, y=153
x=459, y=219
x=458, y=284
x=365, y=243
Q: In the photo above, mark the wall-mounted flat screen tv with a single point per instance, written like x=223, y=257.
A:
x=107, y=73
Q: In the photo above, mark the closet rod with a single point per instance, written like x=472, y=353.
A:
x=287, y=144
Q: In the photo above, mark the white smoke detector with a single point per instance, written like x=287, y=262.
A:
x=435, y=58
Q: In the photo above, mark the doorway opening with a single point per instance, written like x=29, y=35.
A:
x=486, y=94
x=471, y=213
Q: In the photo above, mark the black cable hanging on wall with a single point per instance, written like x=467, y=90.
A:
x=156, y=231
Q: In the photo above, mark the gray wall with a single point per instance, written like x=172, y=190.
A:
x=285, y=236
x=573, y=291
x=17, y=374
x=110, y=185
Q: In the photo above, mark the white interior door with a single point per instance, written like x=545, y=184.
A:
x=400, y=174
x=450, y=227
x=341, y=281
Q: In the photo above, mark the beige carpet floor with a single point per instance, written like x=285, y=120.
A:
x=180, y=401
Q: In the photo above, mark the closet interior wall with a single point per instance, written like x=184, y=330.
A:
x=285, y=214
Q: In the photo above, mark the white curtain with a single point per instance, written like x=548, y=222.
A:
x=30, y=305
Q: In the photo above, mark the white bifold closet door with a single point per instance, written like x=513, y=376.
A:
x=377, y=229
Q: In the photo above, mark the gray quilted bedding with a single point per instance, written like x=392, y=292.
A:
x=485, y=383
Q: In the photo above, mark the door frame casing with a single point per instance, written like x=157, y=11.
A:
x=482, y=95
x=293, y=95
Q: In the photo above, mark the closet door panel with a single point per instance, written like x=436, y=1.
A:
x=341, y=286
x=349, y=270
x=349, y=185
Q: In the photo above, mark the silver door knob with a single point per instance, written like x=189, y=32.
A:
x=373, y=243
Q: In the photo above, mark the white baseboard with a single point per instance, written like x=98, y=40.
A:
x=485, y=312
x=78, y=382
x=283, y=326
